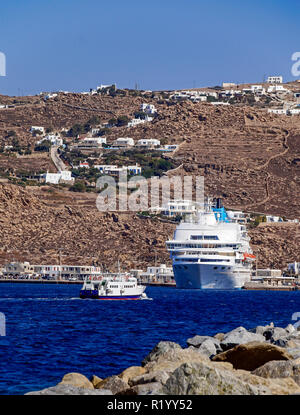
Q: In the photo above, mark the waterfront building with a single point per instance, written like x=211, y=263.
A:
x=51, y=271
x=161, y=274
x=18, y=268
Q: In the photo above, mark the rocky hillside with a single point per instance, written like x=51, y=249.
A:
x=35, y=224
x=248, y=157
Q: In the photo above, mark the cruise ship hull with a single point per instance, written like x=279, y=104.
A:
x=206, y=276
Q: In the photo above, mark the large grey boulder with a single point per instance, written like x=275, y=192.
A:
x=239, y=336
x=160, y=376
x=290, y=329
x=208, y=348
x=279, y=369
x=151, y=388
x=66, y=389
x=202, y=379
x=259, y=329
x=197, y=341
x=294, y=352
x=162, y=348
x=275, y=333
x=113, y=383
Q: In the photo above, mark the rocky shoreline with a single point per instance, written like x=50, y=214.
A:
x=264, y=360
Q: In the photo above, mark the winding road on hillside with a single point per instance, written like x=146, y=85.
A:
x=59, y=164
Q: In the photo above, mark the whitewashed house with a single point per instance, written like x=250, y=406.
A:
x=50, y=96
x=135, y=121
x=274, y=80
x=56, y=178
x=228, y=84
x=90, y=143
x=148, y=143
x=54, y=139
x=258, y=89
x=123, y=142
x=176, y=208
x=168, y=147
x=294, y=111
x=278, y=111
x=115, y=170
x=148, y=109
x=277, y=88
x=36, y=128
x=272, y=219
x=100, y=87
x=237, y=216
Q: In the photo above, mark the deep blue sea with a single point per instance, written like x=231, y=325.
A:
x=50, y=331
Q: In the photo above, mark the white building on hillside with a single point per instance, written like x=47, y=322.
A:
x=148, y=109
x=274, y=80
x=237, y=216
x=168, y=147
x=135, y=121
x=36, y=128
x=176, y=208
x=148, y=143
x=123, y=142
x=55, y=140
x=56, y=178
x=272, y=219
x=115, y=170
x=278, y=111
x=294, y=111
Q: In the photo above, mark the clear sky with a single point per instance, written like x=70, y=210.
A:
x=75, y=45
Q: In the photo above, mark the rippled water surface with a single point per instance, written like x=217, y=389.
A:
x=50, y=331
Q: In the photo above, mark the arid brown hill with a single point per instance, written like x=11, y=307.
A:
x=36, y=224
x=247, y=156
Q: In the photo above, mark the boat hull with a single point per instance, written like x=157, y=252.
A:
x=93, y=294
x=206, y=276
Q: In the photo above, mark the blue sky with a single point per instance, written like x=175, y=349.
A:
x=75, y=45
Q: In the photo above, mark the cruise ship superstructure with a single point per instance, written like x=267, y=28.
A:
x=210, y=251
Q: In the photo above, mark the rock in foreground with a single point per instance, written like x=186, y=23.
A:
x=240, y=362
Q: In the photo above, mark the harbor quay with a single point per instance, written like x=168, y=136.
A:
x=18, y=272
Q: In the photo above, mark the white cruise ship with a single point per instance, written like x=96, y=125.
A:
x=210, y=251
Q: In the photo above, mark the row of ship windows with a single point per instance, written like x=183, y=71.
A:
x=203, y=260
x=203, y=253
x=185, y=267
x=205, y=237
x=116, y=286
x=174, y=246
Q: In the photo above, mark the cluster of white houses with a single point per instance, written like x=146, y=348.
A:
x=154, y=274
x=50, y=271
